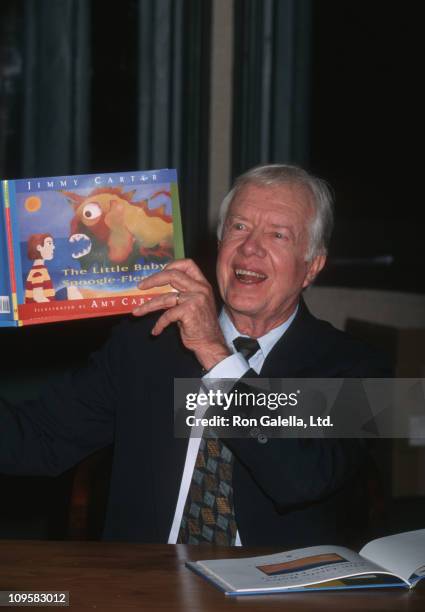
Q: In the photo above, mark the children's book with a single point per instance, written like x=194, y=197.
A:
x=73, y=247
x=392, y=561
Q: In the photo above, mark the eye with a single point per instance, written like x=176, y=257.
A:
x=282, y=236
x=239, y=226
x=91, y=211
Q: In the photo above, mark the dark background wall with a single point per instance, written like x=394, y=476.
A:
x=365, y=138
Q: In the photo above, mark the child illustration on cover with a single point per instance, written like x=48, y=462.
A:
x=38, y=284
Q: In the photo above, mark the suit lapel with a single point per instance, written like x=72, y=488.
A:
x=295, y=350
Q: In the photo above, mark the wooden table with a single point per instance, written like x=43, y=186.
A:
x=105, y=576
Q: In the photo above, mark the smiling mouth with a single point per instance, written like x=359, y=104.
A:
x=249, y=277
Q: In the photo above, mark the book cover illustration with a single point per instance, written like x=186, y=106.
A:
x=77, y=246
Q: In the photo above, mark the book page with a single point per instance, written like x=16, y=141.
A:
x=403, y=553
x=292, y=569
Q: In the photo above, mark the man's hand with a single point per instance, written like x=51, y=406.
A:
x=192, y=307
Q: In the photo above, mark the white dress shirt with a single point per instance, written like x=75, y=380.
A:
x=233, y=367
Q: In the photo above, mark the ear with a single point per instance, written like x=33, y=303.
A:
x=313, y=269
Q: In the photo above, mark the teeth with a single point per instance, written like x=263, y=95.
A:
x=240, y=272
x=84, y=251
x=81, y=253
x=78, y=237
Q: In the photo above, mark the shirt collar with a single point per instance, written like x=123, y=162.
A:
x=266, y=342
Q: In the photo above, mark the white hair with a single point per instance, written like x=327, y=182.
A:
x=283, y=174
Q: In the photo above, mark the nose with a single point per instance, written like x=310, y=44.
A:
x=252, y=245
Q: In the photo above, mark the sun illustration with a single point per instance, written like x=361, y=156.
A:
x=32, y=204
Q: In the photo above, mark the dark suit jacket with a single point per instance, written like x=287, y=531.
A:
x=287, y=492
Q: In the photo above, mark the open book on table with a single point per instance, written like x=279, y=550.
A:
x=392, y=561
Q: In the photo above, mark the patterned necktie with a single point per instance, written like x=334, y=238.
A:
x=209, y=515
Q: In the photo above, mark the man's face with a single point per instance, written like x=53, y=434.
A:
x=261, y=266
x=47, y=249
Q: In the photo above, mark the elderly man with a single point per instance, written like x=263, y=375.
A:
x=273, y=231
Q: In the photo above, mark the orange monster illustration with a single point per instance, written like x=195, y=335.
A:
x=108, y=219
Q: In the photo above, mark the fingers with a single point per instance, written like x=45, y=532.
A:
x=173, y=314
x=189, y=267
x=192, y=307
x=165, y=300
x=178, y=278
